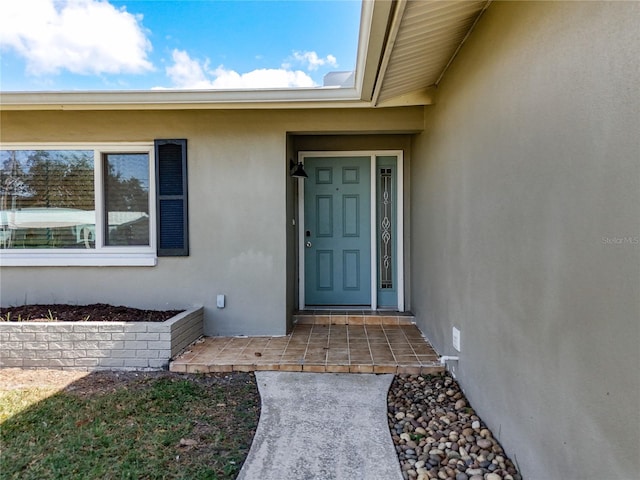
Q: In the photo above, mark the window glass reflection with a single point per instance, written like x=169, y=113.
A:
x=47, y=199
x=126, y=190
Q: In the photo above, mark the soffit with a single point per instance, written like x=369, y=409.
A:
x=425, y=36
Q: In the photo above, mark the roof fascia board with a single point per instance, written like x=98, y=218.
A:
x=388, y=49
x=373, y=35
x=177, y=99
x=192, y=106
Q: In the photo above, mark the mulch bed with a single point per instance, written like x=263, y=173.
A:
x=97, y=312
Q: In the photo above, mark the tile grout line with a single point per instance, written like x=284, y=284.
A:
x=395, y=359
x=348, y=346
x=240, y=359
x=366, y=335
x=326, y=352
x=288, y=342
x=411, y=345
x=306, y=348
x=193, y=360
x=233, y=358
x=219, y=353
x=280, y=348
x=242, y=352
x=214, y=359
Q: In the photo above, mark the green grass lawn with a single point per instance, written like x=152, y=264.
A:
x=146, y=427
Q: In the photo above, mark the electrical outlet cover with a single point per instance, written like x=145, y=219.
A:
x=456, y=338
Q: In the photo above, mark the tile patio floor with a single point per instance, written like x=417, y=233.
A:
x=363, y=345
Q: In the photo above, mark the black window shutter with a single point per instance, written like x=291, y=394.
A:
x=171, y=198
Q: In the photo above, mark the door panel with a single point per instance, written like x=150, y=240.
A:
x=350, y=215
x=324, y=270
x=337, y=206
x=324, y=216
x=351, y=269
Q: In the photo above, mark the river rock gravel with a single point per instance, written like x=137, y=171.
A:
x=438, y=435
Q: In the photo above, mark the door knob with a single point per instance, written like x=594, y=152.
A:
x=308, y=244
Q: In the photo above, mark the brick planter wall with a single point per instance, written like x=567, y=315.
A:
x=98, y=345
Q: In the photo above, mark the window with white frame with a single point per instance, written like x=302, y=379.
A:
x=77, y=202
x=74, y=205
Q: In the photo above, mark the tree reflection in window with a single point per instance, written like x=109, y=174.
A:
x=126, y=193
x=46, y=198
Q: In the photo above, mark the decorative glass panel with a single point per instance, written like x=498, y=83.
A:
x=126, y=193
x=385, y=201
x=47, y=199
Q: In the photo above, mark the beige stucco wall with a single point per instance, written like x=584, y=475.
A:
x=526, y=232
x=238, y=184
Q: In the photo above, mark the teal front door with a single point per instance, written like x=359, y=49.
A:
x=337, y=231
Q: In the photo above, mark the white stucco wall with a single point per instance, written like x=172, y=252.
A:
x=238, y=179
x=526, y=232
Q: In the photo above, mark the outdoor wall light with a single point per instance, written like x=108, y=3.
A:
x=297, y=171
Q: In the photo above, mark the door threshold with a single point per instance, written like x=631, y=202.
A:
x=351, y=311
x=347, y=308
x=352, y=317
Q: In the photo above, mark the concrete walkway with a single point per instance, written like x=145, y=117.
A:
x=322, y=426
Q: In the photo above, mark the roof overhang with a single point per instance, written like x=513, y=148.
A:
x=424, y=38
x=181, y=100
x=404, y=48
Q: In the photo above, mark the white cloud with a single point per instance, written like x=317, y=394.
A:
x=81, y=36
x=188, y=73
x=313, y=62
x=261, y=78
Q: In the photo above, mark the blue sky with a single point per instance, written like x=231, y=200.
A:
x=58, y=45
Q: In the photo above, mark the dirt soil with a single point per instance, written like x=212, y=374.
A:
x=17, y=378
x=97, y=312
x=83, y=383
